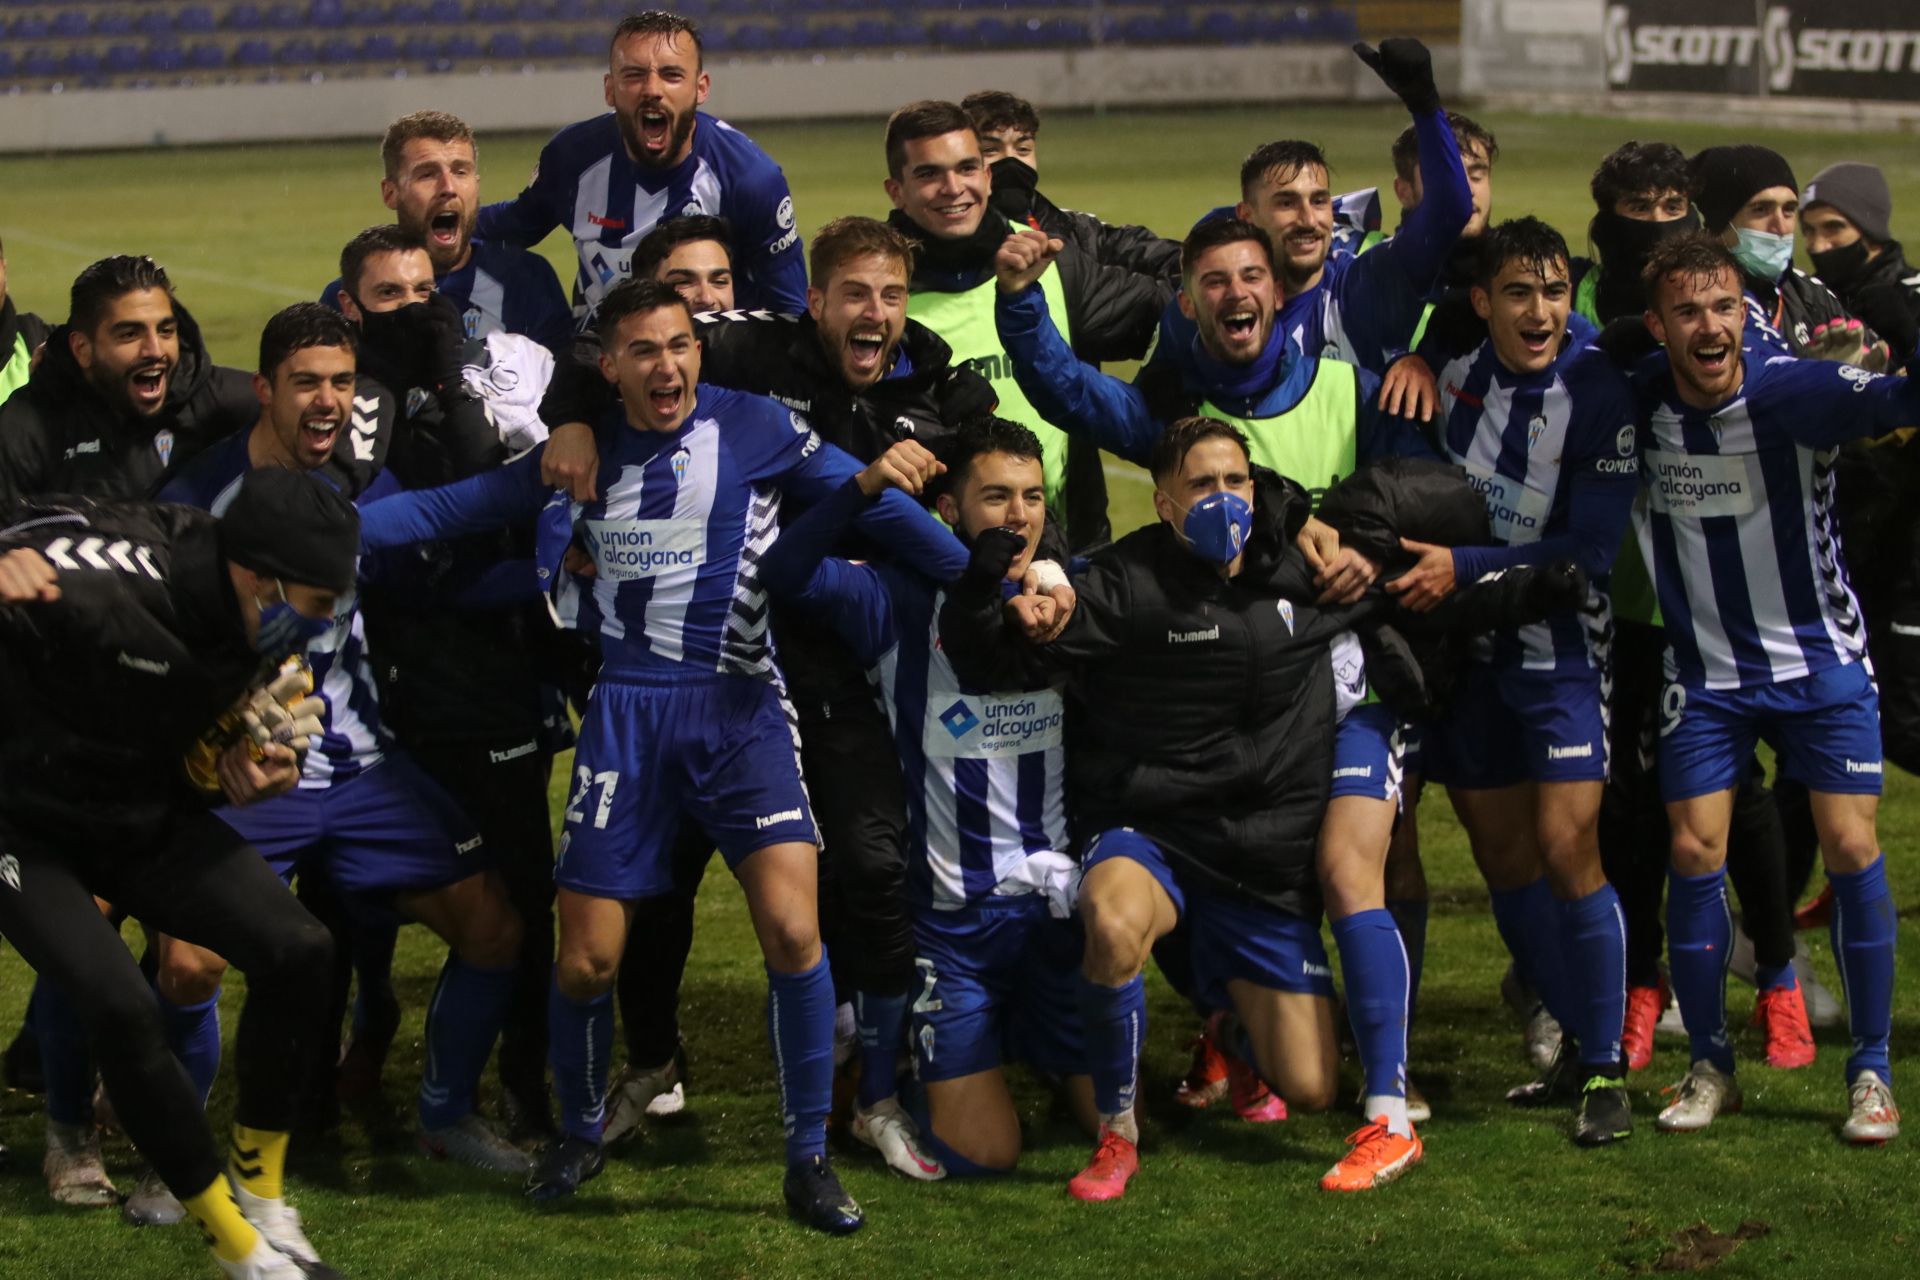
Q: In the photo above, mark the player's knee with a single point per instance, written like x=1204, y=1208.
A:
x=1692, y=855
x=1852, y=849
x=189, y=975
x=493, y=938
x=583, y=975
x=791, y=944
x=979, y=1153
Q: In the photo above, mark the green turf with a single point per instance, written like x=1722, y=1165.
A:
x=1502, y=1193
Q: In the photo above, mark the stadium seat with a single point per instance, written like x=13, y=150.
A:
x=363, y=15
x=752, y=37
x=590, y=44
x=194, y=19
x=253, y=53
x=113, y=23
x=285, y=16
x=166, y=57
x=295, y=52
x=80, y=61
x=244, y=17
x=532, y=11
x=69, y=24
x=794, y=36
x=338, y=51
x=9, y=66
x=154, y=22
x=379, y=47
x=869, y=33
x=445, y=13
x=407, y=13
x=39, y=64
x=492, y=13
x=458, y=47
x=572, y=10
x=205, y=55
x=29, y=26
x=548, y=46
x=123, y=59
x=506, y=44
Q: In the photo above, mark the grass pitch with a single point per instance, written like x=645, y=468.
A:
x=245, y=230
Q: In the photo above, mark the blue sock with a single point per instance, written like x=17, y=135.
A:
x=1863, y=933
x=193, y=1033
x=65, y=1062
x=463, y=1021
x=1699, y=941
x=1374, y=964
x=1115, y=1024
x=1594, y=941
x=1529, y=924
x=1410, y=917
x=800, y=1010
x=1774, y=977
x=375, y=1006
x=579, y=1037
x=882, y=1023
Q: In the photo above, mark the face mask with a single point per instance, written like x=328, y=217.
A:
x=284, y=629
x=1624, y=243
x=1840, y=269
x=1216, y=528
x=1764, y=254
x=398, y=341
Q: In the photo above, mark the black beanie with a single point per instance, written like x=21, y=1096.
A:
x=1859, y=192
x=292, y=526
x=1724, y=178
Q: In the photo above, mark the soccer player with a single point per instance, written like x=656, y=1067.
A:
x=124, y=390
x=692, y=477
x=1766, y=641
x=1845, y=219
x=1009, y=131
x=938, y=183
x=1639, y=198
x=364, y=815
x=693, y=255
x=1544, y=427
x=21, y=336
x=128, y=628
x=1312, y=421
x=610, y=179
x=1359, y=210
x=989, y=866
x=432, y=184
x=1747, y=196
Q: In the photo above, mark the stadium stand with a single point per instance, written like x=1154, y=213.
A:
x=66, y=44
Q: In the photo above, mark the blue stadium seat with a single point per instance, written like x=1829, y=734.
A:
x=572, y=10
x=123, y=59
x=8, y=65
x=752, y=37
x=446, y=13
x=29, y=26
x=253, y=53
x=457, y=47
x=362, y=15
x=793, y=36
x=506, y=44
x=907, y=31
x=69, y=23
x=245, y=16
x=548, y=46
x=532, y=11
x=39, y=64
x=205, y=55
x=407, y=13
x=379, y=47
x=327, y=14
x=295, y=52
x=154, y=22
x=338, y=51
x=194, y=19
x=166, y=57
x=419, y=48
x=492, y=13
x=113, y=23
x=285, y=16
x=590, y=44
x=869, y=33
x=80, y=61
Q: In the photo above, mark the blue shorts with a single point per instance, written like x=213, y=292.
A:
x=1509, y=726
x=1824, y=729
x=1369, y=754
x=389, y=830
x=1230, y=939
x=997, y=983
x=720, y=753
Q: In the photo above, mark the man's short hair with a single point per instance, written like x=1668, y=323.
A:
x=1697, y=255
x=1215, y=232
x=1468, y=135
x=387, y=237
x=1531, y=242
x=992, y=110
x=1178, y=440
x=927, y=118
x=658, y=22
x=435, y=126
x=302, y=325
x=1638, y=168
x=978, y=435
x=844, y=239
x=1286, y=157
x=100, y=284
x=658, y=244
x=632, y=297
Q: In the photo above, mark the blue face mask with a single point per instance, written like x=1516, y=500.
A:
x=1217, y=527
x=1764, y=254
x=284, y=629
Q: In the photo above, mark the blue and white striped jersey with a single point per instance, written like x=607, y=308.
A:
x=1742, y=538
x=352, y=735
x=586, y=183
x=1554, y=455
x=677, y=533
x=985, y=770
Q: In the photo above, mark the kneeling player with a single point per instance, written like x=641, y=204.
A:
x=989, y=873
x=687, y=722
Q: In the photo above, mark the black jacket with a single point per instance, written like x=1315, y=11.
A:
x=1112, y=314
x=1796, y=306
x=103, y=690
x=1886, y=297
x=59, y=435
x=16, y=324
x=1130, y=248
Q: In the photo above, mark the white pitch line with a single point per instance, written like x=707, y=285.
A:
x=272, y=289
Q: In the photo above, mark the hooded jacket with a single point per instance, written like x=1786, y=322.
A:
x=59, y=435
x=103, y=690
x=21, y=333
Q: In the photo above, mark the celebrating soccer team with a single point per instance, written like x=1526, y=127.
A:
x=803, y=548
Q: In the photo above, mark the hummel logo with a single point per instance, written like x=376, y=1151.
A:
x=10, y=871
x=151, y=666
x=1582, y=752
x=1865, y=766
x=775, y=819
x=513, y=753
x=466, y=846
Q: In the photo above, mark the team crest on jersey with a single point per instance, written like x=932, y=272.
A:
x=784, y=214
x=1536, y=428
x=903, y=426
x=680, y=461
x=1716, y=426
x=1624, y=441
x=693, y=209
x=417, y=398
x=163, y=444
x=1330, y=352
x=1286, y=614
x=470, y=321
x=800, y=425
x=1860, y=378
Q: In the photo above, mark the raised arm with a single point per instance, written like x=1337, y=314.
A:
x=493, y=499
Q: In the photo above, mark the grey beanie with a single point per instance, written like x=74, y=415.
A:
x=1858, y=191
